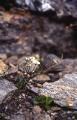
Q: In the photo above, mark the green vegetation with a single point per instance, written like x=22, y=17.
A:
x=20, y=82
x=44, y=101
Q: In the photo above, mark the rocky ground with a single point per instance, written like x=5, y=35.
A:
x=38, y=65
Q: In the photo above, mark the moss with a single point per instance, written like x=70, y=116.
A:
x=44, y=101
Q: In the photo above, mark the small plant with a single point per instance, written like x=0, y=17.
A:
x=20, y=82
x=44, y=101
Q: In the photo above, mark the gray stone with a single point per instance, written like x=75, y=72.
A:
x=36, y=5
x=63, y=91
x=43, y=116
x=32, y=88
x=6, y=90
x=18, y=117
x=61, y=7
x=51, y=62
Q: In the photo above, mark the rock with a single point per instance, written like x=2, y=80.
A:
x=37, y=109
x=20, y=2
x=61, y=7
x=12, y=60
x=51, y=62
x=12, y=70
x=41, y=78
x=36, y=34
x=36, y=5
x=18, y=117
x=59, y=44
x=67, y=66
x=3, y=68
x=7, y=69
x=6, y=90
x=65, y=115
x=36, y=115
x=30, y=87
x=28, y=64
x=39, y=5
x=70, y=65
x=3, y=56
x=41, y=116
x=63, y=91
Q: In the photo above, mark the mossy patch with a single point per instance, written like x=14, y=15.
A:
x=44, y=101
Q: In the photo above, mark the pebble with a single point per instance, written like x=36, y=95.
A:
x=3, y=56
x=37, y=109
x=3, y=68
x=42, y=78
x=51, y=62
